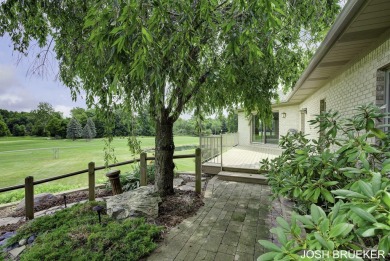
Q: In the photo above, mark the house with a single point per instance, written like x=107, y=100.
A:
x=351, y=67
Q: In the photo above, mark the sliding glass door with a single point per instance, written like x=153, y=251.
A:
x=262, y=133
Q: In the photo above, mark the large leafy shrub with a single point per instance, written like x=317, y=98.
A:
x=341, y=178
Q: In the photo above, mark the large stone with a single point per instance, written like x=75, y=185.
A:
x=17, y=251
x=38, y=201
x=177, y=182
x=141, y=202
x=4, y=237
x=9, y=221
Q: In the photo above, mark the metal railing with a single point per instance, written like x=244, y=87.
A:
x=30, y=183
x=214, y=146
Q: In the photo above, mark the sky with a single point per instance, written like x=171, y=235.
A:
x=22, y=91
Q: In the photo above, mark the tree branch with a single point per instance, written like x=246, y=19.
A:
x=180, y=106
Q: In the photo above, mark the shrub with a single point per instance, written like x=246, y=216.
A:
x=342, y=178
x=131, y=180
x=150, y=172
x=75, y=234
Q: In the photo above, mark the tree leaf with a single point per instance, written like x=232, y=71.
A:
x=377, y=132
x=321, y=240
x=366, y=188
x=386, y=198
x=270, y=245
x=363, y=214
x=369, y=232
x=327, y=195
x=376, y=182
x=267, y=256
x=384, y=244
x=340, y=229
x=348, y=193
x=283, y=223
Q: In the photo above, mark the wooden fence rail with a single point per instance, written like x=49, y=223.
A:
x=29, y=181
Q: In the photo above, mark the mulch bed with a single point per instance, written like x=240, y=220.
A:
x=70, y=198
x=175, y=208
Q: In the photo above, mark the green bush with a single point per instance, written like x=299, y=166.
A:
x=341, y=178
x=150, y=172
x=75, y=234
x=131, y=180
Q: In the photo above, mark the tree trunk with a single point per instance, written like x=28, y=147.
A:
x=164, y=157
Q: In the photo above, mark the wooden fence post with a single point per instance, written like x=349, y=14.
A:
x=29, y=197
x=143, y=169
x=198, y=170
x=91, y=181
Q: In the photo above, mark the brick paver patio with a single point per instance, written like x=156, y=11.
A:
x=235, y=216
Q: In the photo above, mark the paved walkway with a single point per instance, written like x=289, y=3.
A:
x=235, y=216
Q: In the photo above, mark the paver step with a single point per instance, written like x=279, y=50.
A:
x=243, y=177
x=214, y=169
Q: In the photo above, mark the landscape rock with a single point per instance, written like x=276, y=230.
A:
x=190, y=178
x=177, y=182
x=38, y=200
x=17, y=251
x=4, y=237
x=9, y=221
x=187, y=177
x=186, y=188
x=141, y=202
x=31, y=239
x=191, y=184
x=22, y=242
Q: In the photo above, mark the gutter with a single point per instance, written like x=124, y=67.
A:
x=342, y=22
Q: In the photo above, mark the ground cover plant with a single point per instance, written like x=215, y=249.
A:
x=31, y=156
x=340, y=184
x=75, y=234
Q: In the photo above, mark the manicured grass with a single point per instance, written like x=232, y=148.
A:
x=31, y=156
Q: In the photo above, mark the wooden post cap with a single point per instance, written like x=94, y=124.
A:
x=113, y=173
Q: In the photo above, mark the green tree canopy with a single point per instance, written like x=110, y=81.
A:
x=80, y=114
x=41, y=116
x=4, y=131
x=170, y=56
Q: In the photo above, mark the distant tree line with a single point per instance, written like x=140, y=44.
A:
x=44, y=121
x=209, y=126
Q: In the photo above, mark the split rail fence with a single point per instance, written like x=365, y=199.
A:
x=30, y=183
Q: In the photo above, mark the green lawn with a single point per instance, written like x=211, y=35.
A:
x=31, y=156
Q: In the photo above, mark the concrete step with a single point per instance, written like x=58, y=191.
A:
x=243, y=177
x=214, y=169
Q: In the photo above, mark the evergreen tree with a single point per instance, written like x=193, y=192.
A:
x=74, y=129
x=92, y=127
x=87, y=132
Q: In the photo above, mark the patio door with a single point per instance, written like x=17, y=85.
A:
x=262, y=133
